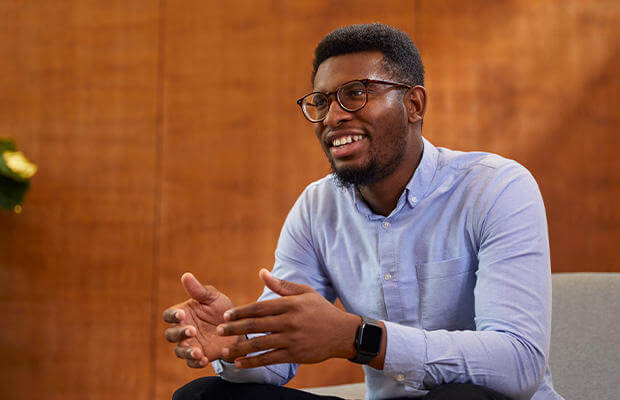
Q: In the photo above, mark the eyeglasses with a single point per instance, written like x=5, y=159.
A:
x=352, y=96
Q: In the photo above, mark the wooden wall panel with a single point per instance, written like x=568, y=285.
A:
x=236, y=150
x=168, y=139
x=535, y=81
x=79, y=87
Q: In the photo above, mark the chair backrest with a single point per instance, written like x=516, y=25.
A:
x=585, y=335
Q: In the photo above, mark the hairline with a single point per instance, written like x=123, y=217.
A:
x=386, y=65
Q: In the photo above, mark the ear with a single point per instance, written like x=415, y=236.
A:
x=415, y=103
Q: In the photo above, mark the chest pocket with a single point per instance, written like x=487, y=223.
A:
x=447, y=293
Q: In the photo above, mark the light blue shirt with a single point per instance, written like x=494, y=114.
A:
x=459, y=272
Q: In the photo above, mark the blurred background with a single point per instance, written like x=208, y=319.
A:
x=168, y=140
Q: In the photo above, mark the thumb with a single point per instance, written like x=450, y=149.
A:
x=203, y=294
x=282, y=287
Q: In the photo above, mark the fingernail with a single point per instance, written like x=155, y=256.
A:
x=227, y=315
x=189, y=332
x=204, y=362
x=220, y=330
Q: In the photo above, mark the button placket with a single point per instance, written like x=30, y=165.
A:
x=387, y=235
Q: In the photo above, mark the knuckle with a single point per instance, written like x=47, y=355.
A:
x=254, y=345
x=257, y=308
x=293, y=323
x=251, y=325
x=288, y=324
x=265, y=359
x=295, y=302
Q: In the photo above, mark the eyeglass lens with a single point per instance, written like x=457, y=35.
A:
x=351, y=97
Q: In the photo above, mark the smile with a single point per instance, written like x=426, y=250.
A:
x=344, y=140
x=347, y=146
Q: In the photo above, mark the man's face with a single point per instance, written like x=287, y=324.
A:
x=378, y=133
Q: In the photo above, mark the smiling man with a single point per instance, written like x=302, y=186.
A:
x=440, y=258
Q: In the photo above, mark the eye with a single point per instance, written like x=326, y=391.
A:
x=353, y=91
x=318, y=101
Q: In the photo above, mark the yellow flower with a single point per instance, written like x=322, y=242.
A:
x=19, y=164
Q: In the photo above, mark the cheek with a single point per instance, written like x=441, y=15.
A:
x=387, y=112
x=318, y=131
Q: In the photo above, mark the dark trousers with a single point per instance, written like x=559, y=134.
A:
x=216, y=388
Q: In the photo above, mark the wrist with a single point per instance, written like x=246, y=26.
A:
x=370, y=343
x=352, y=324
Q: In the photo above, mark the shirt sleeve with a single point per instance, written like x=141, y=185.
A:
x=509, y=347
x=295, y=261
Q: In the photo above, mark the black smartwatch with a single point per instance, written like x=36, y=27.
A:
x=367, y=341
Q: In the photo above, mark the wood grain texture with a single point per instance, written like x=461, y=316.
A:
x=535, y=81
x=168, y=140
x=78, y=82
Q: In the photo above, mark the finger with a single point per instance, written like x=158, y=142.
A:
x=197, y=363
x=271, y=357
x=259, y=309
x=173, y=315
x=282, y=287
x=260, y=343
x=253, y=325
x=203, y=294
x=188, y=353
x=179, y=333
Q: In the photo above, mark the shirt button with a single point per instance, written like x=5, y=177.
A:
x=400, y=377
x=387, y=276
x=385, y=225
x=414, y=199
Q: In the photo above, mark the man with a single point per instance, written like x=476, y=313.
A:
x=439, y=257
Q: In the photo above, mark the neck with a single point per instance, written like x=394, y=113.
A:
x=382, y=196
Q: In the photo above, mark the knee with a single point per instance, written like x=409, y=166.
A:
x=201, y=388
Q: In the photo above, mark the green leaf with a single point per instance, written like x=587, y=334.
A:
x=7, y=144
x=12, y=192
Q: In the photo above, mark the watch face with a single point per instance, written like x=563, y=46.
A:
x=371, y=339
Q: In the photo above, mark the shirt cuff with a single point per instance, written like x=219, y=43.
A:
x=405, y=354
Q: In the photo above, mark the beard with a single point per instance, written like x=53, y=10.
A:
x=380, y=164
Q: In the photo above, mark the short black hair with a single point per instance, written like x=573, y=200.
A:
x=400, y=54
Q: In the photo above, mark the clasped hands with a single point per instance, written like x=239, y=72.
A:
x=299, y=327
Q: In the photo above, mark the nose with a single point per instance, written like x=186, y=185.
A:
x=336, y=114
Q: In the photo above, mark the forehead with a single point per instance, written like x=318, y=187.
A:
x=346, y=67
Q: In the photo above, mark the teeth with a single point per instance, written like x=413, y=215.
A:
x=346, y=140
